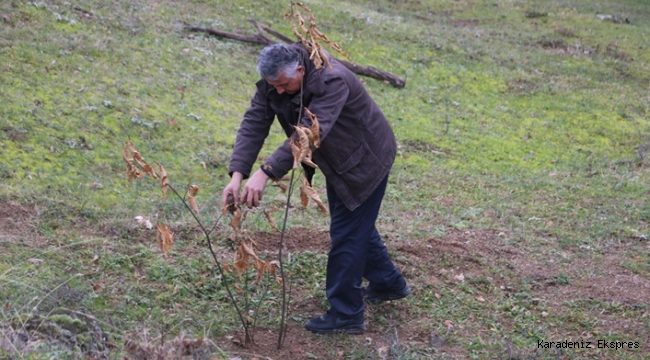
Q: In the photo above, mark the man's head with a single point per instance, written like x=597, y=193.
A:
x=279, y=65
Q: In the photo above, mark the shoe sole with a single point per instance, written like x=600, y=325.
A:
x=376, y=301
x=351, y=330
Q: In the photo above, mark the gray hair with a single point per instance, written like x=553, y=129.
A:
x=278, y=59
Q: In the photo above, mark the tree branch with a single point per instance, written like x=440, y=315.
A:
x=261, y=38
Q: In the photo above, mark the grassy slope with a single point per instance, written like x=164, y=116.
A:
x=505, y=118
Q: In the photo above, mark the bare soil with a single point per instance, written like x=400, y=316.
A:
x=483, y=257
x=467, y=255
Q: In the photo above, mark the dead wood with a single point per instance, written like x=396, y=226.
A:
x=261, y=38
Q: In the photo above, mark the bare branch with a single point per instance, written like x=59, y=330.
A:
x=261, y=38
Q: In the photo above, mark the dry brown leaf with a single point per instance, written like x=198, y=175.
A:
x=295, y=150
x=235, y=222
x=126, y=153
x=163, y=181
x=307, y=160
x=269, y=218
x=309, y=37
x=192, y=190
x=149, y=170
x=139, y=159
x=311, y=194
x=303, y=143
x=304, y=198
x=270, y=267
x=315, y=128
x=129, y=147
x=132, y=172
x=249, y=249
x=259, y=268
x=226, y=267
x=241, y=259
x=164, y=237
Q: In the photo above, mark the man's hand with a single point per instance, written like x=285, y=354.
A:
x=254, y=188
x=232, y=188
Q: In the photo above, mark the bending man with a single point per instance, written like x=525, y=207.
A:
x=356, y=154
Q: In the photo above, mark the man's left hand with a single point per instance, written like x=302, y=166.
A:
x=254, y=188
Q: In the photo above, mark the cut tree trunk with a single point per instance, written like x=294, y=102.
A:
x=261, y=38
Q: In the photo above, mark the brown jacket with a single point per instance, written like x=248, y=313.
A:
x=357, y=144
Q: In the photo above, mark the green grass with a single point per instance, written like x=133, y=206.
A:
x=525, y=119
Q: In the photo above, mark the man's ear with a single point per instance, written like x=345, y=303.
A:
x=301, y=69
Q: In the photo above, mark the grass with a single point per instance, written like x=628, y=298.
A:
x=522, y=165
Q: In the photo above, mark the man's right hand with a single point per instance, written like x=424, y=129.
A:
x=233, y=188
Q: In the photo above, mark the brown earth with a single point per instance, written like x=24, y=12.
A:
x=467, y=255
x=495, y=266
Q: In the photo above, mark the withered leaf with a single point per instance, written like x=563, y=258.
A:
x=192, y=190
x=149, y=170
x=241, y=259
x=310, y=193
x=295, y=150
x=309, y=36
x=129, y=147
x=139, y=159
x=249, y=249
x=259, y=268
x=126, y=152
x=164, y=237
x=235, y=222
x=132, y=172
x=269, y=218
x=314, y=129
x=304, y=198
x=226, y=267
x=163, y=179
x=303, y=144
x=307, y=160
x=270, y=266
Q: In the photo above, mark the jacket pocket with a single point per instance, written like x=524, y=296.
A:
x=359, y=168
x=352, y=159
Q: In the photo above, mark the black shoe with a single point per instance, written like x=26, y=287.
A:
x=377, y=297
x=331, y=324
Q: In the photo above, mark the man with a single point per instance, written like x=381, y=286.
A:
x=356, y=153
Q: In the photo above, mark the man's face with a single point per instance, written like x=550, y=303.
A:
x=284, y=84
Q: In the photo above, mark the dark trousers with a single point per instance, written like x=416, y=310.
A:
x=357, y=252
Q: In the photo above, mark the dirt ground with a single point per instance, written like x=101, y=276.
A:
x=468, y=254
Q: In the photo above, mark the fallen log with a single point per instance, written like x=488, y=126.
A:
x=261, y=38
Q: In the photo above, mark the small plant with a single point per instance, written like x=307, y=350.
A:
x=165, y=237
x=245, y=256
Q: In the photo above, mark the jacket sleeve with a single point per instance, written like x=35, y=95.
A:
x=251, y=134
x=327, y=106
